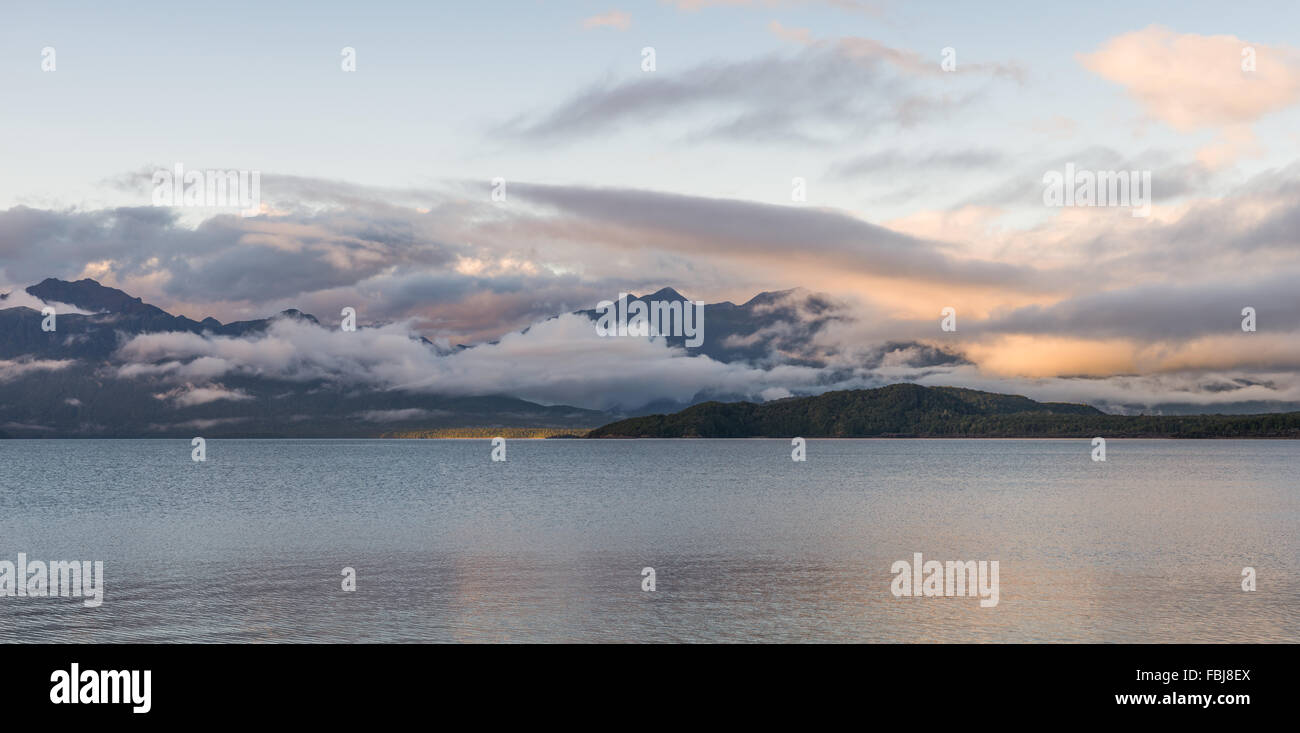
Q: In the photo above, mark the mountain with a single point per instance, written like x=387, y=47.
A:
x=67, y=383
x=82, y=401
x=77, y=382
x=910, y=410
x=83, y=389
x=776, y=327
x=112, y=313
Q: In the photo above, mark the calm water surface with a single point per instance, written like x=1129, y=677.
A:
x=747, y=545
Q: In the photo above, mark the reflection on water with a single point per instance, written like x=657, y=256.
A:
x=747, y=545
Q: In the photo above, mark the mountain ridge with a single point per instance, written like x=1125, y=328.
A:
x=914, y=411
x=70, y=384
x=83, y=397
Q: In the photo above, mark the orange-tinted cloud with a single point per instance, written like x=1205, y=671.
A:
x=1194, y=82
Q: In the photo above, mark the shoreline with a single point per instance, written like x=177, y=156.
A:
x=650, y=438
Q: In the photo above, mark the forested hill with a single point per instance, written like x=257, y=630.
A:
x=909, y=410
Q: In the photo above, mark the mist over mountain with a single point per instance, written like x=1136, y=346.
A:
x=76, y=380
x=116, y=365
x=777, y=323
x=779, y=330
x=112, y=315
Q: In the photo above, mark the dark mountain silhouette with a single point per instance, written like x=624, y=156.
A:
x=79, y=391
x=86, y=398
x=910, y=410
x=114, y=315
x=90, y=295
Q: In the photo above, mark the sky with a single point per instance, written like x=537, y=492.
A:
x=920, y=135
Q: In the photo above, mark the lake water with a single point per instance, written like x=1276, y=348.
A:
x=746, y=544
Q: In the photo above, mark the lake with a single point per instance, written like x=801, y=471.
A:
x=746, y=544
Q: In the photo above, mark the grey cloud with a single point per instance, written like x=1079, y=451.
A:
x=724, y=226
x=391, y=263
x=1161, y=312
x=886, y=162
x=1252, y=229
x=823, y=93
x=37, y=243
x=1170, y=177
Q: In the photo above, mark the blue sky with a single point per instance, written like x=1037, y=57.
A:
x=244, y=85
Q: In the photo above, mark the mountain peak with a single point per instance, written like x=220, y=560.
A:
x=90, y=295
x=297, y=315
x=664, y=294
x=769, y=297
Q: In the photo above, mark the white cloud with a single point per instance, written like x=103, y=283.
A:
x=559, y=361
x=190, y=396
x=19, y=298
x=410, y=413
x=14, y=368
